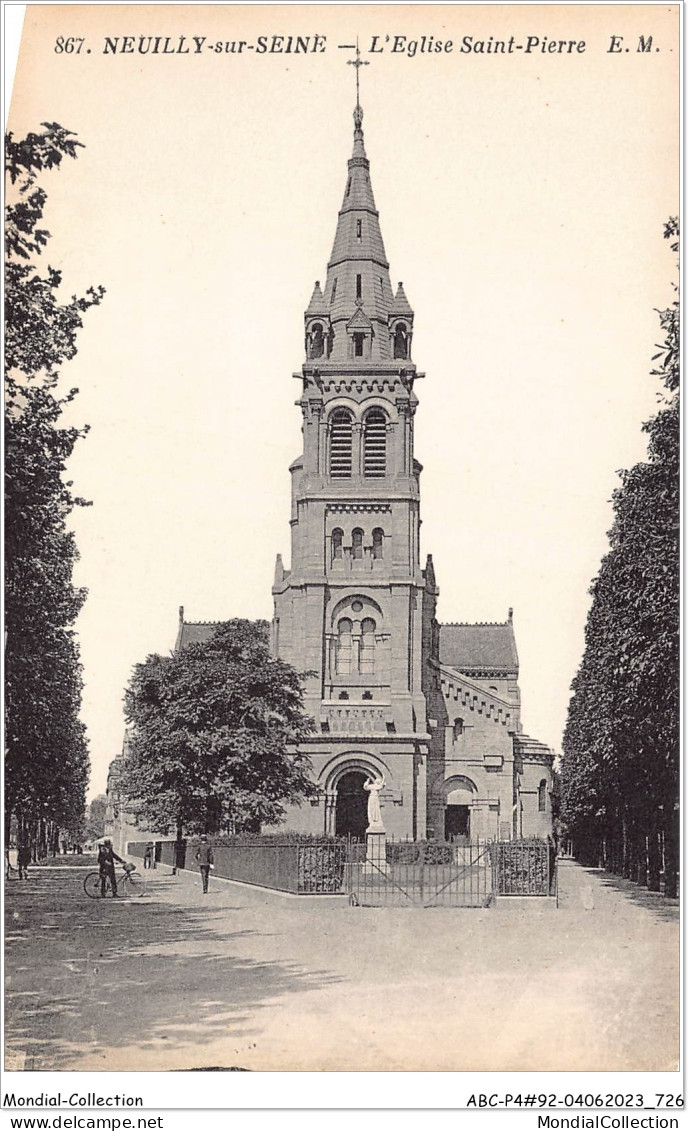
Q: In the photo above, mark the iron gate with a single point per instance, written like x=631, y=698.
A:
x=427, y=874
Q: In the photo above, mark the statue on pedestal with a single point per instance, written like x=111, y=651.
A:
x=373, y=789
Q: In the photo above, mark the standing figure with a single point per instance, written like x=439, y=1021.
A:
x=106, y=867
x=148, y=855
x=23, y=861
x=204, y=855
x=373, y=789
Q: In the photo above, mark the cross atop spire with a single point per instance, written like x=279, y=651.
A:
x=358, y=62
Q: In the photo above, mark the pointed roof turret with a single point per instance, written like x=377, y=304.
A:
x=401, y=308
x=317, y=305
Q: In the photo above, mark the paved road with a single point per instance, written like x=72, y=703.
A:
x=245, y=978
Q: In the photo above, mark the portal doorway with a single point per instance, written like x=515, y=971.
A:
x=457, y=823
x=351, y=810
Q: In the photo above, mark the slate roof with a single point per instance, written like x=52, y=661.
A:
x=479, y=647
x=529, y=747
x=358, y=270
x=401, y=304
x=194, y=632
x=317, y=305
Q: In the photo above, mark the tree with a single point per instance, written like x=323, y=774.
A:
x=95, y=820
x=621, y=745
x=46, y=751
x=214, y=735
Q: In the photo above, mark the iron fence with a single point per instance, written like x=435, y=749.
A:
x=424, y=873
x=304, y=868
x=383, y=872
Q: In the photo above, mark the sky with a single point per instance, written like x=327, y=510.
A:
x=522, y=198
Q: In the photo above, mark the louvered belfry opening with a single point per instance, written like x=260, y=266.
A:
x=340, y=445
x=375, y=445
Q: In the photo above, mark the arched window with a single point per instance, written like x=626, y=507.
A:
x=458, y=727
x=357, y=543
x=340, y=444
x=367, y=646
x=378, y=542
x=337, y=539
x=401, y=341
x=345, y=646
x=375, y=444
x=542, y=796
x=317, y=340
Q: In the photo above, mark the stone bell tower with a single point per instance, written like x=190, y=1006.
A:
x=355, y=611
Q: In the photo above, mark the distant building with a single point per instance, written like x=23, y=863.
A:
x=120, y=824
x=433, y=708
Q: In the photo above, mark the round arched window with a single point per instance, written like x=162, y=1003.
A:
x=340, y=444
x=401, y=341
x=367, y=646
x=375, y=444
x=317, y=340
x=337, y=540
x=345, y=646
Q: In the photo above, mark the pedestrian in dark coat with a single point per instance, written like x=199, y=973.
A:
x=204, y=855
x=23, y=861
x=106, y=866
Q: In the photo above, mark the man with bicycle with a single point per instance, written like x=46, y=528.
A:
x=106, y=866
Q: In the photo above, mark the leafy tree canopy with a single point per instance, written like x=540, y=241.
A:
x=621, y=744
x=46, y=752
x=214, y=731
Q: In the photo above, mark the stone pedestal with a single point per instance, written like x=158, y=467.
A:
x=376, y=850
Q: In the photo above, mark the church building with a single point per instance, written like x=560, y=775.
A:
x=432, y=708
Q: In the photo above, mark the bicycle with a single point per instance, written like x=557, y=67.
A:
x=129, y=884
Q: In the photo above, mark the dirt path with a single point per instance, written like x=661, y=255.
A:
x=250, y=979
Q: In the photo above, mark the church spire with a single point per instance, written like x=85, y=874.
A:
x=356, y=317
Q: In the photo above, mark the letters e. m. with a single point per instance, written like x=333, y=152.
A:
x=616, y=41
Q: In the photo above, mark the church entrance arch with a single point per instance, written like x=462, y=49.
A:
x=457, y=823
x=459, y=793
x=351, y=806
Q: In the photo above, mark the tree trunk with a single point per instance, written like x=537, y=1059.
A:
x=671, y=861
x=8, y=819
x=641, y=855
x=178, y=850
x=213, y=815
x=625, y=850
x=654, y=855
